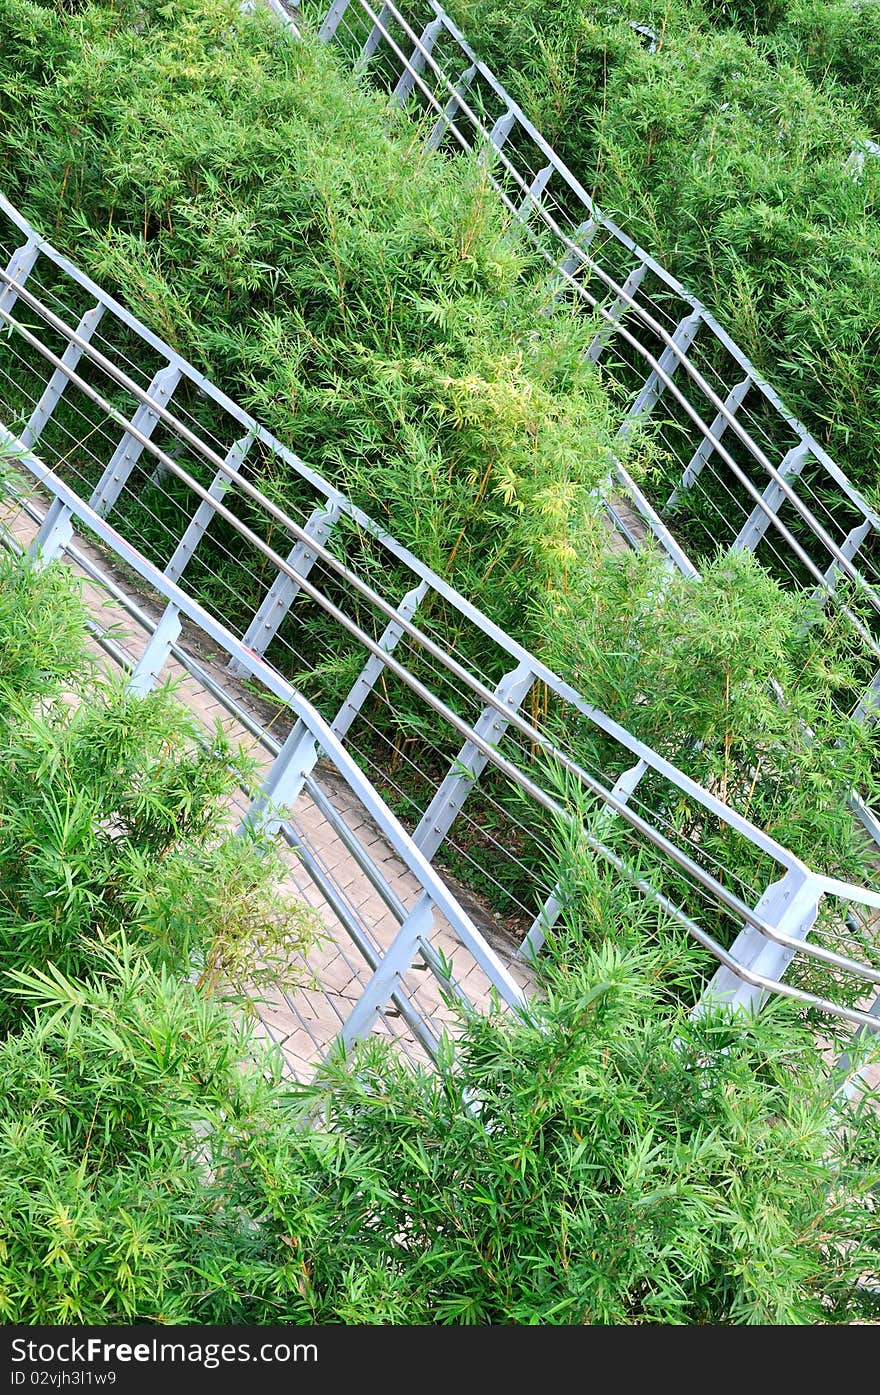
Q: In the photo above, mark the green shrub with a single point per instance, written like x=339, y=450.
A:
x=728, y=156
x=696, y=672
x=614, y=1163
x=115, y=814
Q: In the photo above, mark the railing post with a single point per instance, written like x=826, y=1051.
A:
x=669, y=361
x=865, y=815
x=703, y=453
x=581, y=237
x=54, y=536
x=546, y=918
x=790, y=905
x=55, y=532
x=367, y=678
x=281, y=594
x=849, y=547
x=534, y=940
x=533, y=194
x=616, y=310
x=375, y=36
x=59, y=380
x=145, y=674
x=868, y=709
x=201, y=519
x=470, y=763
x=283, y=784
x=443, y=122
x=759, y=519
x=332, y=20
x=396, y=960
x=416, y=65
x=19, y=268
x=502, y=129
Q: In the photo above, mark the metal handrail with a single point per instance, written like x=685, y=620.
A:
x=415, y=862
x=15, y=289
x=565, y=691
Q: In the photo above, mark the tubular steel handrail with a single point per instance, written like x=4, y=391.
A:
x=469, y=612
x=782, y=918
x=432, y=884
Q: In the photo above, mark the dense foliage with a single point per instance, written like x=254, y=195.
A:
x=372, y=306
x=612, y=1159
x=741, y=152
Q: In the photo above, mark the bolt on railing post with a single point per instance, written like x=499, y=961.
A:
x=333, y=19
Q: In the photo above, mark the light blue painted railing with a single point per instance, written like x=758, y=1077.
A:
x=106, y=420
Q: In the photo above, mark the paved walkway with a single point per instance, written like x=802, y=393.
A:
x=304, y=1015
